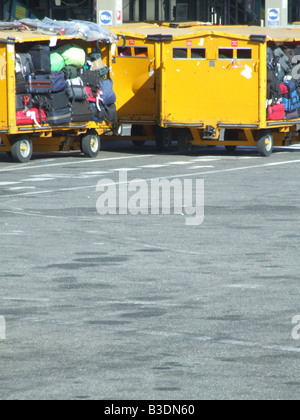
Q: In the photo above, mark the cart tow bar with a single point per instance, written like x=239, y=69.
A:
x=209, y=133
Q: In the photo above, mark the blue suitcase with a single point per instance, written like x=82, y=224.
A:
x=59, y=117
x=291, y=101
x=39, y=84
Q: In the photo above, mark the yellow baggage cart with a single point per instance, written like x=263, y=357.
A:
x=136, y=67
x=194, y=83
x=20, y=141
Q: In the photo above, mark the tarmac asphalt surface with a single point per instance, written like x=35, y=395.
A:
x=144, y=306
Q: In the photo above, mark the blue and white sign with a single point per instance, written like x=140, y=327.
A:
x=273, y=17
x=106, y=17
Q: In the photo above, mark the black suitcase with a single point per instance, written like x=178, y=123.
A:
x=23, y=101
x=24, y=64
x=59, y=100
x=40, y=55
x=76, y=90
x=81, y=112
x=97, y=115
x=53, y=101
x=294, y=115
x=21, y=84
x=110, y=113
x=59, y=116
x=91, y=79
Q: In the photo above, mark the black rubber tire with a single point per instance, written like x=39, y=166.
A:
x=231, y=135
x=163, y=139
x=90, y=145
x=184, y=142
x=21, y=149
x=137, y=143
x=265, y=143
x=137, y=131
x=230, y=149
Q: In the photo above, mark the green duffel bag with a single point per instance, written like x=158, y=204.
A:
x=57, y=62
x=73, y=55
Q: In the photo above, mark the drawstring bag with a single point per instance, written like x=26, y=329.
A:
x=57, y=62
x=73, y=55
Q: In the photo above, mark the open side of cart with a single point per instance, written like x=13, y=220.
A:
x=21, y=140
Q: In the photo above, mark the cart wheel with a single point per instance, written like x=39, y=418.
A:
x=21, y=149
x=90, y=145
x=137, y=131
x=184, y=142
x=231, y=135
x=265, y=143
x=163, y=139
x=230, y=149
x=137, y=143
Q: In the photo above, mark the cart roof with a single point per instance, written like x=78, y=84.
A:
x=27, y=30
x=290, y=34
x=27, y=36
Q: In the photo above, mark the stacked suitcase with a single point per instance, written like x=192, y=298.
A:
x=62, y=86
x=283, y=82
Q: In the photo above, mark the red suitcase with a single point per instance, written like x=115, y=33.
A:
x=284, y=89
x=92, y=97
x=31, y=117
x=276, y=112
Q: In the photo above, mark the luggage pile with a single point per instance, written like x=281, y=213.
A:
x=62, y=86
x=283, y=97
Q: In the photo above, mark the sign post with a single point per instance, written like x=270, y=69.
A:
x=276, y=13
x=109, y=12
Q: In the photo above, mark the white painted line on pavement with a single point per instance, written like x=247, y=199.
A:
x=125, y=169
x=216, y=341
x=154, y=166
x=93, y=173
x=21, y=188
x=178, y=176
x=28, y=166
x=200, y=167
x=4, y=184
x=203, y=159
x=180, y=163
x=37, y=179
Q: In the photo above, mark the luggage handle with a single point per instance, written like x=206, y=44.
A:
x=98, y=100
x=32, y=116
x=124, y=40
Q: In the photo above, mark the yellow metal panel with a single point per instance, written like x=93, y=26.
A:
x=210, y=90
x=134, y=71
x=238, y=32
x=3, y=88
x=262, y=85
x=11, y=88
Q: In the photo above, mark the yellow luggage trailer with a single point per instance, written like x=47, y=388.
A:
x=134, y=70
x=194, y=83
x=21, y=141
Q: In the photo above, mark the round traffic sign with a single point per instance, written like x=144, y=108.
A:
x=106, y=17
x=273, y=14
